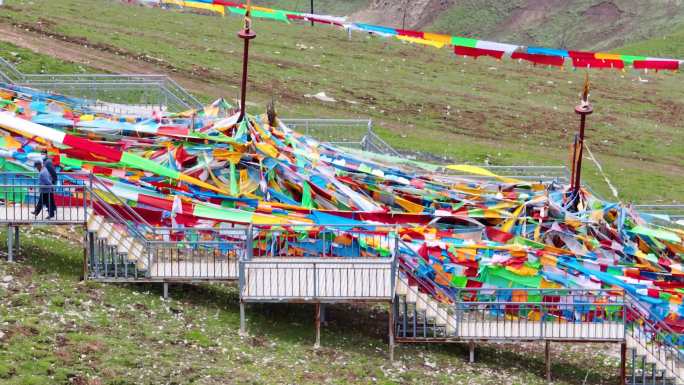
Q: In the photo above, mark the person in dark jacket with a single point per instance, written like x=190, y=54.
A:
x=47, y=163
x=47, y=197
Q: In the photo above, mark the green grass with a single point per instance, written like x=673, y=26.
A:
x=420, y=98
x=57, y=330
x=667, y=45
x=29, y=62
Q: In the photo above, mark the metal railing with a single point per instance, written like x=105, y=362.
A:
x=556, y=314
x=424, y=320
x=655, y=338
x=159, y=91
x=674, y=211
x=373, y=143
x=20, y=195
x=10, y=73
x=326, y=241
x=330, y=262
x=319, y=263
x=316, y=279
x=339, y=132
x=525, y=173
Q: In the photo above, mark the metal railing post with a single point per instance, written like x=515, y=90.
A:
x=249, y=242
x=394, y=266
x=315, y=281
x=458, y=315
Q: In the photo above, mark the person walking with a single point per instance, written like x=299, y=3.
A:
x=47, y=197
x=47, y=162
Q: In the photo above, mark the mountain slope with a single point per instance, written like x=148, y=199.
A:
x=579, y=24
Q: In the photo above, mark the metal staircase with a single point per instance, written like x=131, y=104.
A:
x=650, y=356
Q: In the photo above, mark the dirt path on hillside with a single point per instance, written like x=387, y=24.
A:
x=82, y=53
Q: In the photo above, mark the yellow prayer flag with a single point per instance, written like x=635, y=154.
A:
x=416, y=40
x=468, y=169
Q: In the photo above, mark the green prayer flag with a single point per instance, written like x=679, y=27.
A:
x=463, y=41
x=136, y=161
x=660, y=234
x=307, y=201
x=207, y=211
x=233, y=180
x=459, y=281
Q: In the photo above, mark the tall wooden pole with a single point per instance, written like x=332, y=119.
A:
x=246, y=34
x=583, y=109
x=312, y=12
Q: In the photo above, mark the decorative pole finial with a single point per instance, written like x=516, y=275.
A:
x=583, y=109
x=246, y=34
x=585, y=92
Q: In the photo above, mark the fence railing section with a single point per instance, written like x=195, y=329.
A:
x=10, y=72
x=526, y=173
x=158, y=91
x=373, y=143
x=674, y=211
x=340, y=132
x=655, y=339
x=558, y=314
x=319, y=263
x=326, y=241
x=21, y=196
x=316, y=279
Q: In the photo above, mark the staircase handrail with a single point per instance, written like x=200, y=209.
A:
x=101, y=184
x=427, y=304
x=114, y=213
x=372, y=138
x=149, y=229
x=427, y=283
x=9, y=71
x=658, y=348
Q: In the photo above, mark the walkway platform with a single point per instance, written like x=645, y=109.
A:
x=22, y=214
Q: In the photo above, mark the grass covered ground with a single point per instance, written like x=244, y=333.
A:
x=420, y=98
x=57, y=330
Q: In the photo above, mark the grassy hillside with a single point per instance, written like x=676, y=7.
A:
x=668, y=45
x=329, y=7
x=30, y=62
x=584, y=24
x=55, y=330
x=420, y=98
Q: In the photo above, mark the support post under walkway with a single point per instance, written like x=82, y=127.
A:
x=317, y=316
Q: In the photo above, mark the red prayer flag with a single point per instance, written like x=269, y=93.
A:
x=477, y=52
x=227, y=3
x=98, y=151
x=173, y=131
x=657, y=64
x=539, y=59
x=497, y=235
x=581, y=55
x=653, y=293
x=407, y=32
x=597, y=63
